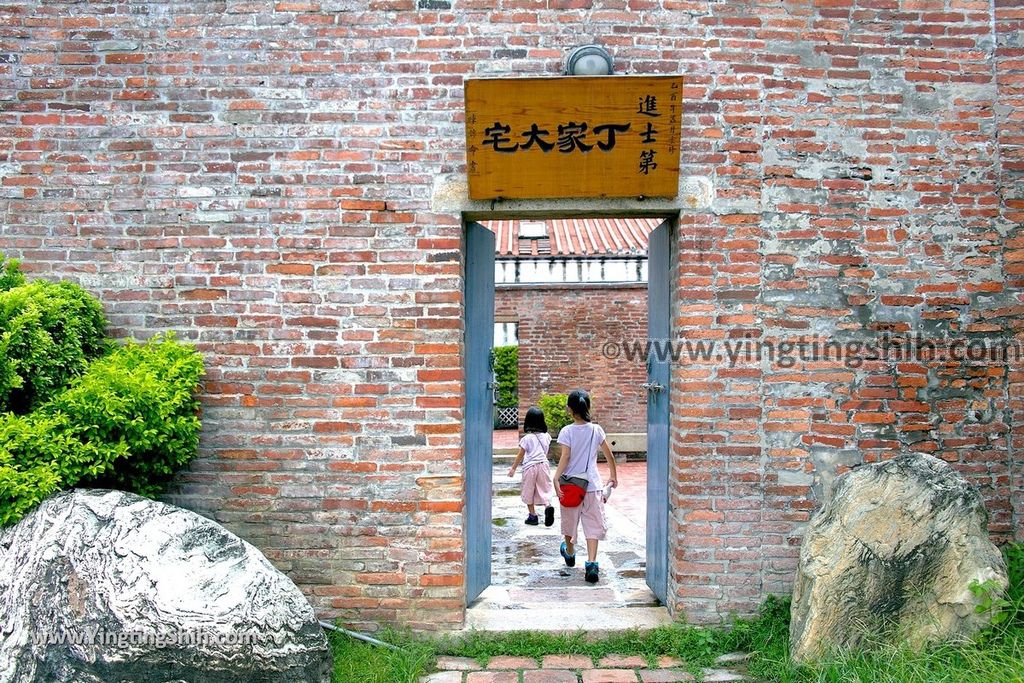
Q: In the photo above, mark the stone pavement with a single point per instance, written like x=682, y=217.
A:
x=532, y=589
x=580, y=669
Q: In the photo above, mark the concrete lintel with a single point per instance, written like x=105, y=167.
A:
x=451, y=196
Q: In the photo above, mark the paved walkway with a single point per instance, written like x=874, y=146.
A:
x=579, y=669
x=532, y=589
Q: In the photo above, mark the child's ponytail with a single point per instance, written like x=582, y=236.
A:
x=579, y=403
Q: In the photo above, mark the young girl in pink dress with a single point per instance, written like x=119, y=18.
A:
x=533, y=454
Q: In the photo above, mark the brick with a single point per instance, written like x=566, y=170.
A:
x=664, y=676
x=610, y=676
x=291, y=268
x=550, y=676
x=443, y=677
x=512, y=663
x=622, y=662
x=567, y=662
x=448, y=580
x=377, y=579
x=457, y=664
x=492, y=677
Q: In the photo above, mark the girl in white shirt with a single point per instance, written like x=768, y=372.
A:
x=533, y=454
x=580, y=443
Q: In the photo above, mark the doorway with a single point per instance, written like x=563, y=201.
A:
x=510, y=578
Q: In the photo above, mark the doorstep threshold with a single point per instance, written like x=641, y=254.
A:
x=566, y=618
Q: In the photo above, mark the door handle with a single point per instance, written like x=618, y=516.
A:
x=653, y=386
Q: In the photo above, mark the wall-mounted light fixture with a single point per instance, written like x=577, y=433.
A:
x=589, y=60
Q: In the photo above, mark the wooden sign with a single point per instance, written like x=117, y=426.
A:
x=574, y=136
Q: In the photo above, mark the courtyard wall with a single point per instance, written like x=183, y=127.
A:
x=257, y=176
x=562, y=332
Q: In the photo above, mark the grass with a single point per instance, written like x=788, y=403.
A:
x=696, y=646
x=996, y=656
x=358, y=661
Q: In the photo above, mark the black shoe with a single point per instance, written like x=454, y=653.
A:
x=590, y=572
x=549, y=516
x=570, y=560
x=532, y=520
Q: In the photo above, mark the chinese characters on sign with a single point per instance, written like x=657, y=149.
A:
x=573, y=137
x=570, y=137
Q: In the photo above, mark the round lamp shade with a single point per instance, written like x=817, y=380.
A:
x=589, y=60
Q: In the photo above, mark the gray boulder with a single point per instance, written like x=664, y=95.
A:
x=893, y=555
x=104, y=586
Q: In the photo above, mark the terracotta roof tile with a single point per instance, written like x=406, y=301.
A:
x=581, y=237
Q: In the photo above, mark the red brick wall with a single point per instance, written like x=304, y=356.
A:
x=257, y=176
x=1009, y=68
x=562, y=335
x=858, y=163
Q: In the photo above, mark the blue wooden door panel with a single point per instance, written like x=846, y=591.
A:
x=658, y=379
x=479, y=336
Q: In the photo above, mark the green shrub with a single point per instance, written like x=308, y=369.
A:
x=10, y=274
x=556, y=414
x=29, y=452
x=506, y=375
x=39, y=454
x=129, y=422
x=49, y=332
x=141, y=396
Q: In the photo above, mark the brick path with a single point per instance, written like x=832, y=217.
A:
x=575, y=669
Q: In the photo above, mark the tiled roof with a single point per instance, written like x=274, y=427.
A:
x=579, y=237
